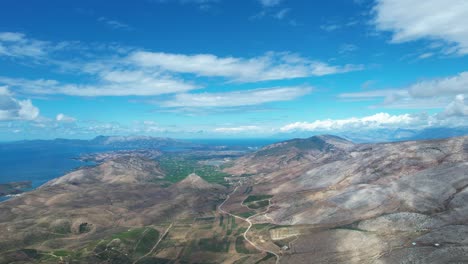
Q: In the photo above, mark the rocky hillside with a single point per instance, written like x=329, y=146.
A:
x=287, y=154
x=126, y=169
x=322, y=199
x=402, y=202
x=93, y=203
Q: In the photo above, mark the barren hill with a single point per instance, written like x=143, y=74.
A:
x=195, y=182
x=322, y=198
x=381, y=197
x=315, y=150
x=121, y=170
x=91, y=203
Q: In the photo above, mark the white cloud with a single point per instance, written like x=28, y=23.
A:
x=237, y=98
x=142, y=73
x=411, y=20
x=11, y=36
x=15, y=109
x=433, y=93
x=444, y=86
x=272, y=66
x=239, y=129
x=347, y=48
x=4, y=91
x=114, y=83
x=270, y=3
x=425, y=55
x=335, y=25
x=114, y=23
x=64, y=118
x=330, y=27
x=14, y=44
x=457, y=107
x=282, y=13
x=380, y=120
x=374, y=94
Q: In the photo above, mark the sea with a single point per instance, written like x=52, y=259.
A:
x=40, y=163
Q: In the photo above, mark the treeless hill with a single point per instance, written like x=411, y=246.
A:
x=381, y=197
x=195, y=182
x=127, y=169
x=314, y=150
x=91, y=203
x=322, y=199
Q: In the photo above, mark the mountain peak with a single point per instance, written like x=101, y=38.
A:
x=193, y=181
x=333, y=140
x=315, y=143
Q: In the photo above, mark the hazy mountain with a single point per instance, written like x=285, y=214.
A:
x=118, y=142
x=386, y=135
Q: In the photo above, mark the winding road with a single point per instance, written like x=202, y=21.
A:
x=155, y=245
x=221, y=210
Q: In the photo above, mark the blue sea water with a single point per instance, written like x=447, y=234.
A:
x=39, y=164
x=42, y=162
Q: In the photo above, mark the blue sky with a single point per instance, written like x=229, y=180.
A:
x=219, y=68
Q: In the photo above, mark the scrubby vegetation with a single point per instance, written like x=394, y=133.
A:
x=214, y=244
x=264, y=259
x=258, y=204
x=241, y=246
x=254, y=198
x=178, y=168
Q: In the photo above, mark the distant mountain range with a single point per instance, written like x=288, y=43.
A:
x=386, y=135
x=117, y=142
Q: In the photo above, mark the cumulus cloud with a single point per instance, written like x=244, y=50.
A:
x=457, y=107
x=379, y=120
x=272, y=66
x=237, y=98
x=64, y=118
x=15, y=109
x=410, y=20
